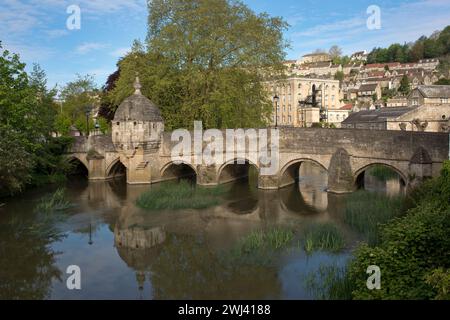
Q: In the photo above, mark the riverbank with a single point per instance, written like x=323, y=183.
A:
x=412, y=251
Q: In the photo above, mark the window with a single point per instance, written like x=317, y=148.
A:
x=289, y=119
x=444, y=100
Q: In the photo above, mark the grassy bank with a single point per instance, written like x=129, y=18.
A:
x=367, y=211
x=182, y=195
x=324, y=237
x=413, y=252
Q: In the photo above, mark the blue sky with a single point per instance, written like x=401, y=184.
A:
x=36, y=29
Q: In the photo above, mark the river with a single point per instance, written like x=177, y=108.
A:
x=125, y=252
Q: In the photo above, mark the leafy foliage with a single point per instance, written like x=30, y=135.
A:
x=78, y=96
x=435, y=46
x=412, y=248
x=205, y=60
x=27, y=114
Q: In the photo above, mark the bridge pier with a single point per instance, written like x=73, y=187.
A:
x=340, y=175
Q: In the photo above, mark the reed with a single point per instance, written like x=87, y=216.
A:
x=182, y=195
x=330, y=282
x=324, y=237
x=56, y=201
x=366, y=211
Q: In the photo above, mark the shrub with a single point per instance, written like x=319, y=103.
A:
x=412, y=248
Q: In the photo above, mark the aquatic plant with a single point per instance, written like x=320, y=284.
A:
x=56, y=201
x=325, y=237
x=366, y=211
x=260, y=247
x=330, y=282
x=273, y=239
x=181, y=195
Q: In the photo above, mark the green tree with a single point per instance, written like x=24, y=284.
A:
x=206, y=60
x=339, y=76
x=405, y=86
x=27, y=113
x=443, y=82
x=78, y=96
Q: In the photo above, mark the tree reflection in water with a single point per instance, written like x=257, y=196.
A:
x=27, y=261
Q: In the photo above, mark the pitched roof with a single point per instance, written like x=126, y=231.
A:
x=435, y=91
x=316, y=54
x=368, y=87
x=347, y=107
x=380, y=115
x=382, y=65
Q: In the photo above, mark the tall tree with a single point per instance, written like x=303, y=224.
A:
x=405, y=86
x=335, y=52
x=206, y=60
x=27, y=113
x=77, y=97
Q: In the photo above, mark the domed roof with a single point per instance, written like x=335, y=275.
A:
x=138, y=108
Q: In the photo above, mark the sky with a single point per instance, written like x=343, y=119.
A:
x=38, y=31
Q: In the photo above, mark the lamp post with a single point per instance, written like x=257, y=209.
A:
x=276, y=99
x=88, y=113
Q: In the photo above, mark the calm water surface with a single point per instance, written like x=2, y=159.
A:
x=128, y=253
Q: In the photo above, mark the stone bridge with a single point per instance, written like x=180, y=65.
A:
x=139, y=148
x=344, y=153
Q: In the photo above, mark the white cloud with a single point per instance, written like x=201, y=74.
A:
x=338, y=26
x=90, y=46
x=30, y=53
x=403, y=23
x=120, y=52
x=56, y=33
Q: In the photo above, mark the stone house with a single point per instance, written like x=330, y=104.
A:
x=429, y=95
x=422, y=119
x=368, y=91
x=396, y=102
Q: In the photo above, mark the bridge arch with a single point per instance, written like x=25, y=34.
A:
x=79, y=165
x=359, y=174
x=290, y=172
x=235, y=169
x=116, y=169
x=174, y=170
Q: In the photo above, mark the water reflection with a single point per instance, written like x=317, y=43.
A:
x=126, y=252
